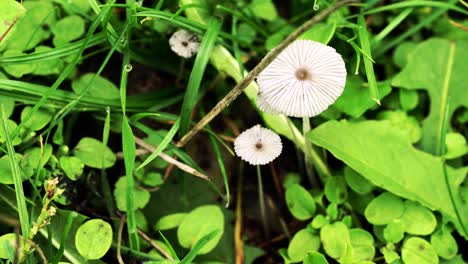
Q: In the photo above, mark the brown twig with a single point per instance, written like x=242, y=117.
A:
x=154, y=245
x=119, y=239
x=237, y=90
x=239, y=243
x=171, y=160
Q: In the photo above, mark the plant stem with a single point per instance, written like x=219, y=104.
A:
x=307, y=153
x=261, y=199
x=237, y=90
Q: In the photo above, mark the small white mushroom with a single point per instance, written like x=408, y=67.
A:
x=184, y=43
x=258, y=145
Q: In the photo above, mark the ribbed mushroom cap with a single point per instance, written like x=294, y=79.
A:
x=184, y=43
x=303, y=81
x=258, y=145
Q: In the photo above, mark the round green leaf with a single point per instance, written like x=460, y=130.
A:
x=38, y=120
x=169, y=221
x=418, y=250
x=334, y=238
x=335, y=190
x=417, y=219
x=100, y=88
x=389, y=255
x=8, y=105
x=6, y=174
x=394, y=231
x=264, y=9
x=72, y=166
x=152, y=179
x=456, y=145
x=141, y=221
x=303, y=241
x=68, y=29
x=362, y=244
x=408, y=99
x=402, y=51
x=141, y=197
x=444, y=243
x=384, y=208
x=300, y=202
x=11, y=125
x=315, y=258
x=291, y=179
x=93, y=153
x=198, y=223
x=356, y=182
x=35, y=158
x=8, y=252
x=93, y=239
x=47, y=67
x=17, y=70
x=319, y=221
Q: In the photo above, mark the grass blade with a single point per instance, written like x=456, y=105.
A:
x=363, y=36
x=18, y=182
x=196, y=248
x=198, y=70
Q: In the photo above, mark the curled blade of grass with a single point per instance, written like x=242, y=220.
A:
x=17, y=179
x=392, y=25
x=356, y=48
x=363, y=36
x=54, y=53
x=164, y=143
x=64, y=74
x=171, y=160
x=197, y=73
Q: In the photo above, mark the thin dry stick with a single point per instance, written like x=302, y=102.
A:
x=239, y=243
x=171, y=160
x=151, y=242
x=119, y=239
x=237, y=90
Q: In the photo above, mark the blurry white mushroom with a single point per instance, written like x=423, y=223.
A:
x=184, y=43
x=258, y=145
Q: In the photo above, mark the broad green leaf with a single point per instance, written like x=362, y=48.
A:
x=68, y=29
x=394, y=231
x=100, y=88
x=246, y=33
x=362, y=244
x=93, y=239
x=335, y=190
x=302, y=242
x=418, y=250
x=444, y=79
x=319, y=221
x=170, y=221
x=30, y=30
x=38, y=121
x=385, y=157
x=332, y=211
x=198, y=223
x=390, y=255
x=456, y=145
x=300, y=202
x=315, y=258
x=141, y=197
x=10, y=14
x=17, y=70
x=356, y=182
x=264, y=9
x=334, y=238
x=444, y=243
x=94, y=154
x=321, y=32
x=72, y=166
x=409, y=125
x=355, y=100
x=6, y=175
x=384, y=209
x=290, y=179
x=152, y=179
x=141, y=220
x=417, y=219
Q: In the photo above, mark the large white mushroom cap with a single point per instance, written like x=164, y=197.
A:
x=258, y=145
x=303, y=81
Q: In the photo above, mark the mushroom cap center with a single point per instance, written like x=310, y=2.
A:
x=184, y=43
x=258, y=145
x=302, y=74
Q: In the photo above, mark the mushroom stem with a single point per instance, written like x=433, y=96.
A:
x=261, y=200
x=307, y=153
